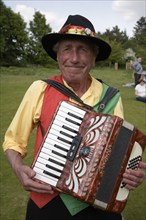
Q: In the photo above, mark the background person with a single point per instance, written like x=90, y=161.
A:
x=76, y=49
x=140, y=89
x=138, y=69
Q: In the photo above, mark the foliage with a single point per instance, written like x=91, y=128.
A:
x=116, y=55
x=139, y=39
x=140, y=32
x=117, y=52
x=116, y=35
x=35, y=51
x=13, y=37
x=120, y=41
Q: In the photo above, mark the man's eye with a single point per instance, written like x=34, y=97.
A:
x=65, y=48
x=85, y=51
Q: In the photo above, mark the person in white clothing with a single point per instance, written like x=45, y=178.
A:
x=140, y=90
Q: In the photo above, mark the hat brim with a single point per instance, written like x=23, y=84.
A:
x=49, y=40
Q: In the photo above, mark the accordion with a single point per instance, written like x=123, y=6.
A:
x=85, y=154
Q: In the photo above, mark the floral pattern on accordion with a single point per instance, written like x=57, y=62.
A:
x=85, y=165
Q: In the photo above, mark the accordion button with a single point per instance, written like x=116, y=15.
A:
x=84, y=151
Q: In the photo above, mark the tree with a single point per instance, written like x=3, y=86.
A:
x=35, y=51
x=117, y=53
x=116, y=35
x=13, y=37
x=139, y=38
x=118, y=41
x=140, y=32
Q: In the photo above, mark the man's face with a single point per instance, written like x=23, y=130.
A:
x=75, y=59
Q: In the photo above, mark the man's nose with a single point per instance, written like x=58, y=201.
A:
x=74, y=56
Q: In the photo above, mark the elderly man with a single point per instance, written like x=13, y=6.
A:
x=76, y=49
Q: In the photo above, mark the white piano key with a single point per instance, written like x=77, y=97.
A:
x=59, y=118
x=51, y=147
x=54, y=142
x=44, y=161
x=71, y=112
x=59, y=135
x=43, y=155
x=61, y=124
x=44, y=177
x=42, y=172
x=43, y=167
x=55, y=138
x=52, y=155
x=50, y=158
x=66, y=116
x=73, y=108
x=60, y=129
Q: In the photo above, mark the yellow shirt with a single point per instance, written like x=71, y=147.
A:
x=28, y=113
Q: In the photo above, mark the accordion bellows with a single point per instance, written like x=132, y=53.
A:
x=85, y=154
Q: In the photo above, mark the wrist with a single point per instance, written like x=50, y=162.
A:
x=14, y=158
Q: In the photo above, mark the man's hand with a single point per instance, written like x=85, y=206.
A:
x=25, y=174
x=133, y=178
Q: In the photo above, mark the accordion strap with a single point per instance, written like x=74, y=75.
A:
x=66, y=91
x=111, y=91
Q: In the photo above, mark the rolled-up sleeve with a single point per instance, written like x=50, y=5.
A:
x=25, y=119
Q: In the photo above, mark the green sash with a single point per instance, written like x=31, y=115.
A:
x=73, y=205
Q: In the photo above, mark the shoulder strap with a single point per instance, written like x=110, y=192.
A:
x=111, y=91
x=66, y=91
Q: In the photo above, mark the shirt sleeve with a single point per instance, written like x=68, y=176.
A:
x=25, y=119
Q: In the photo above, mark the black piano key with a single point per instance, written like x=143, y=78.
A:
x=59, y=154
x=50, y=174
x=71, y=121
x=74, y=109
x=75, y=116
x=62, y=139
x=53, y=168
x=61, y=148
x=56, y=162
x=69, y=129
x=68, y=135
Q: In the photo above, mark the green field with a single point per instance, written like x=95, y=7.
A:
x=14, y=82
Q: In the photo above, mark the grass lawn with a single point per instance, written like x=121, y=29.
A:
x=14, y=82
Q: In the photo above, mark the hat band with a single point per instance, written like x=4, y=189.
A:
x=79, y=30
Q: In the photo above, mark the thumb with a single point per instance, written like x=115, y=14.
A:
x=30, y=172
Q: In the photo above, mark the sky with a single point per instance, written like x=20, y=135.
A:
x=103, y=14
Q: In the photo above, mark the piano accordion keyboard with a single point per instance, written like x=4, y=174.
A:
x=52, y=156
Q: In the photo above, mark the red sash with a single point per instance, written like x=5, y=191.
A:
x=52, y=97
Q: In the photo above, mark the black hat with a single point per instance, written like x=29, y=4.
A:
x=80, y=27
